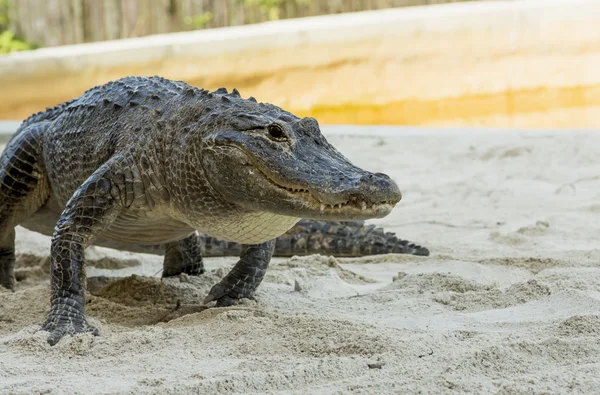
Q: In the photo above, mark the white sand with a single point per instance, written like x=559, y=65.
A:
x=508, y=302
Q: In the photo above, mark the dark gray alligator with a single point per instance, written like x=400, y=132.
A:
x=147, y=161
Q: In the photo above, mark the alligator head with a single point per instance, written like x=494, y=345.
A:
x=265, y=159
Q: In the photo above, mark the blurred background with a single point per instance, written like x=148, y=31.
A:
x=61, y=22
x=504, y=64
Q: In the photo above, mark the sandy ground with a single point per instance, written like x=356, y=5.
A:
x=508, y=302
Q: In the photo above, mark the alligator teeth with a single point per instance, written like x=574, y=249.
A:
x=364, y=206
x=296, y=190
x=322, y=207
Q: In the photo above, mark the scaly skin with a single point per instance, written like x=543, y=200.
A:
x=151, y=161
x=307, y=237
x=184, y=256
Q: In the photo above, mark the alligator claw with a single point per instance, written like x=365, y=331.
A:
x=225, y=294
x=61, y=326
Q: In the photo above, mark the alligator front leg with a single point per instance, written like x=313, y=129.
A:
x=246, y=275
x=90, y=210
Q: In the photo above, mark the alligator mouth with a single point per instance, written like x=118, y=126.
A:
x=353, y=203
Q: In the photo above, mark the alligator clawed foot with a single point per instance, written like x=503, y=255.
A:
x=198, y=272
x=226, y=294
x=60, y=326
x=7, y=279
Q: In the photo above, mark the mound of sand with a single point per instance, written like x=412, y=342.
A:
x=508, y=302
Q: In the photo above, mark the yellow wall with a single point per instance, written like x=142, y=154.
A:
x=499, y=64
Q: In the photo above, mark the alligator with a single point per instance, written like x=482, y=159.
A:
x=151, y=161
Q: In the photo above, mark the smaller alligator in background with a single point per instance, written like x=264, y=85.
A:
x=307, y=237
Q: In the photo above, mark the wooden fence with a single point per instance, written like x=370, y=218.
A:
x=60, y=22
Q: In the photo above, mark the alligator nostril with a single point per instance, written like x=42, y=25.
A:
x=375, y=176
x=383, y=175
x=378, y=187
x=367, y=177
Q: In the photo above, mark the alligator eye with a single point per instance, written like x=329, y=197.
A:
x=276, y=132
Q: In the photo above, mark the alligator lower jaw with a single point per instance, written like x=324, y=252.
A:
x=364, y=207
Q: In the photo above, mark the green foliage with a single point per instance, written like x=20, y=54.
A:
x=3, y=14
x=271, y=7
x=199, y=21
x=8, y=41
x=264, y=4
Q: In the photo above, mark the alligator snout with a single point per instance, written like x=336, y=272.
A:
x=363, y=191
x=376, y=188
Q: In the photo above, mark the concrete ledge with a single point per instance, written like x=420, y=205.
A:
x=528, y=63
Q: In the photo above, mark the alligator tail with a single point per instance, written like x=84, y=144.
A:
x=340, y=239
